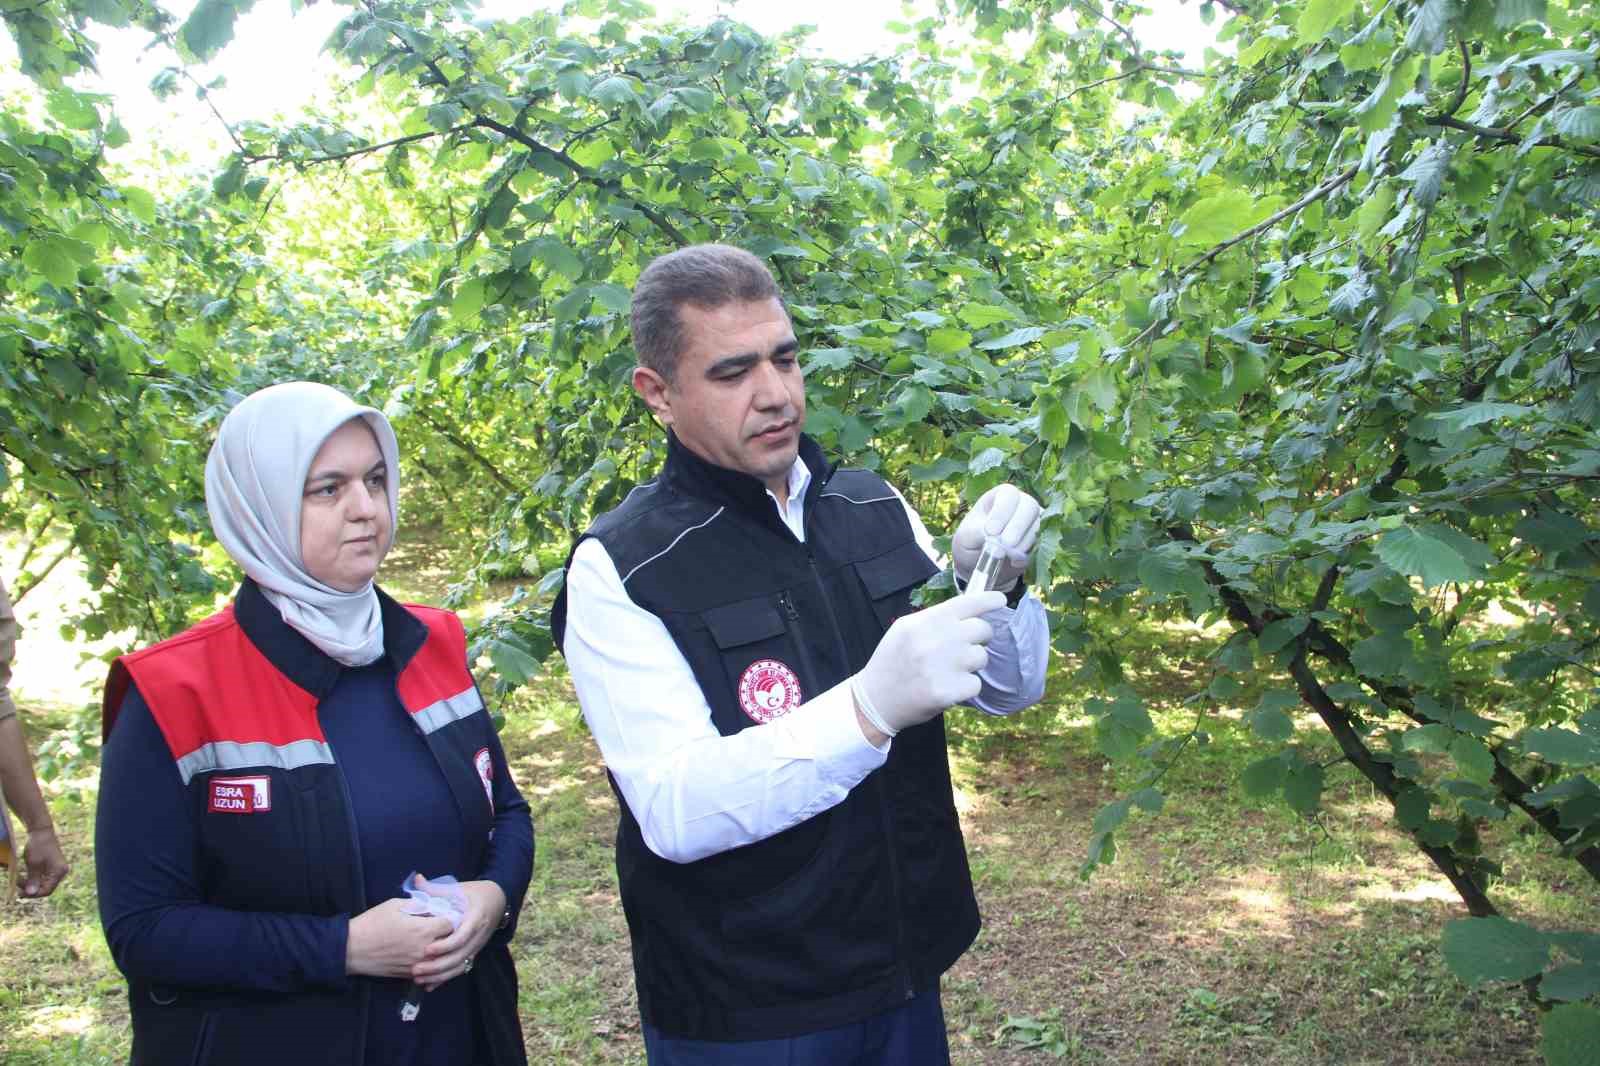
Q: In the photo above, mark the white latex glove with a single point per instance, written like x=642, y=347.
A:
x=1007, y=514
x=926, y=662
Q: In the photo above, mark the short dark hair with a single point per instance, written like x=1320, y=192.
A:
x=705, y=276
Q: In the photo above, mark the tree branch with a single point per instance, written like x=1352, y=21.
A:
x=334, y=157
x=1494, y=133
x=466, y=446
x=1301, y=204
x=661, y=221
x=1342, y=727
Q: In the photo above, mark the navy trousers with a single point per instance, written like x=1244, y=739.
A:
x=911, y=1035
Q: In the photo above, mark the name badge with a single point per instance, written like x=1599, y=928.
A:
x=240, y=795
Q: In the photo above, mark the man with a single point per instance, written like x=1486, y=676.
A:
x=742, y=641
x=43, y=865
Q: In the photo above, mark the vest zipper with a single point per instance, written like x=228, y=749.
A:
x=361, y=898
x=895, y=886
x=792, y=624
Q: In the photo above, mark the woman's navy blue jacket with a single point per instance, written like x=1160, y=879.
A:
x=245, y=964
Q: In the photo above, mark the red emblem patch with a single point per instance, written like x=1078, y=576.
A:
x=240, y=795
x=768, y=689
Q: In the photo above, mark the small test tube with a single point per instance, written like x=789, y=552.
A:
x=987, y=566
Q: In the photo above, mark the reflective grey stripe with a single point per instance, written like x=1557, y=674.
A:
x=852, y=499
x=228, y=755
x=674, y=544
x=450, y=709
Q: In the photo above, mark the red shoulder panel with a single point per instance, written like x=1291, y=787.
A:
x=439, y=669
x=209, y=683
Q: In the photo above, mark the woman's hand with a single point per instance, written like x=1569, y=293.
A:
x=385, y=941
x=451, y=956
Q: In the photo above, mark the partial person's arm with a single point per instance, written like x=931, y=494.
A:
x=156, y=923
x=44, y=865
x=693, y=791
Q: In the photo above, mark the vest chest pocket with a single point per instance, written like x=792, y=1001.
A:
x=890, y=578
x=256, y=853
x=764, y=654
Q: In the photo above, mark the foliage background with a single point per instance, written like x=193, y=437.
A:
x=1302, y=341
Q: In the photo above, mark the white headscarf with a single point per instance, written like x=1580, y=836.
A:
x=255, y=482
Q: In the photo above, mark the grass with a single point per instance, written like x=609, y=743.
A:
x=1227, y=931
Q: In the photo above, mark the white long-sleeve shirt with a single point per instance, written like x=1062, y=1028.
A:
x=695, y=792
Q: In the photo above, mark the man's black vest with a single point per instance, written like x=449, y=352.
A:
x=854, y=910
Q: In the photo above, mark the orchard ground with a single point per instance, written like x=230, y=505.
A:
x=1226, y=931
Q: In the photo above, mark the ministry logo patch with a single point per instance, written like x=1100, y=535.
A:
x=768, y=689
x=485, y=767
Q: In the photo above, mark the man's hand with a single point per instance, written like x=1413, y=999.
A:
x=1008, y=514
x=385, y=941
x=926, y=662
x=452, y=956
x=44, y=865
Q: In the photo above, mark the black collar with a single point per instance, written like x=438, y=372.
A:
x=302, y=661
x=688, y=473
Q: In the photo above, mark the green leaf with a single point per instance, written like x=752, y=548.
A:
x=1494, y=949
x=1017, y=337
x=1320, y=16
x=1474, y=414
x=73, y=110
x=1164, y=571
x=1578, y=981
x=1428, y=171
x=1382, y=655
x=987, y=460
x=1411, y=808
x=980, y=315
x=468, y=299
x=1120, y=726
x=1374, y=210
x=1579, y=123
x=1430, y=26
x=140, y=202
x=1280, y=634
x=613, y=297
x=1148, y=799
x=1270, y=724
x=558, y=257
x=1569, y=1035
x=1263, y=777
x=948, y=341
x=1111, y=816
x=1115, y=739
x=1377, y=110
x=1302, y=788
x=1562, y=747
x=1509, y=13
x=50, y=257
x=210, y=25
x=914, y=402
x=1416, y=554
x=615, y=91
x=1473, y=759
x=512, y=661
x=1432, y=737
x=1216, y=218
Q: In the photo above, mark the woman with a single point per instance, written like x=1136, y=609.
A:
x=272, y=775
